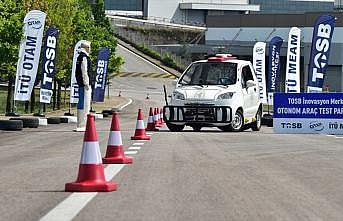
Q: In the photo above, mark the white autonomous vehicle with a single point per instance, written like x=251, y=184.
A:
x=220, y=91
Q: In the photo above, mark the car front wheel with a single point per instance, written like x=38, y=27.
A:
x=256, y=126
x=237, y=123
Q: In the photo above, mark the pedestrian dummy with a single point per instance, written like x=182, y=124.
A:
x=84, y=80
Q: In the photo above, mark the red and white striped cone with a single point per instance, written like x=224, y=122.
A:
x=151, y=125
x=156, y=119
x=91, y=177
x=140, y=133
x=115, y=151
x=161, y=116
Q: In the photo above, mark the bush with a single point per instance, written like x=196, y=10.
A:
x=149, y=52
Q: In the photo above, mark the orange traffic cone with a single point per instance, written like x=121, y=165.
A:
x=140, y=133
x=151, y=125
x=91, y=177
x=115, y=151
x=156, y=119
x=161, y=116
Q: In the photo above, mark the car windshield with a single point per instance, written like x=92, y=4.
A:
x=210, y=73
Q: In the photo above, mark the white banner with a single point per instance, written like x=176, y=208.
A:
x=74, y=87
x=29, y=54
x=293, y=61
x=259, y=63
x=308, y=126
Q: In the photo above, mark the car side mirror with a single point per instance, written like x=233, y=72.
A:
x=251, y=83
x=174, y=82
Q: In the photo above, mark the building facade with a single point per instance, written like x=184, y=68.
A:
x=194, y=12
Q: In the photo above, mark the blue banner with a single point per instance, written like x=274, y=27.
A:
x=308, y=113
x=101, y=75
x=274, y=64
x=320, y=51
x=48, y=65
x=308, y=105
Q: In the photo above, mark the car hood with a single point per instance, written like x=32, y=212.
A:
x=209, y=92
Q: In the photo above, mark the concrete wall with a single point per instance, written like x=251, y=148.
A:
x=166, y=9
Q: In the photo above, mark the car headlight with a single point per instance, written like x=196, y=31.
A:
x=225, y=96
x=178, y=95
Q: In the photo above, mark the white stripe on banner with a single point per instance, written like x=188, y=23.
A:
x=293, y=61
x=29, y=53
x=115, y=138
x=259, y=63
x=140, y=124
x=91, y=153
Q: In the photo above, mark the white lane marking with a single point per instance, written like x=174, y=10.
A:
x=138, y=144
x=73, y=204
x=112, y=170
x=125, y=105
x=330, y=135
x=164, y=71
x=339, y=137
x=130, y=152
x=134, y=148
x=149, y=133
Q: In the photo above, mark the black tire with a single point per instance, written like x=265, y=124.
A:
x=109, y=112
x=197, y=128
x=237, y=124
x=105, y=114
x=11, y=125
x=29, y=122
x=54, y=120
x=64, y=120
x=270, y=122
x=267, y=120
x=256, y=126
x=175, y=128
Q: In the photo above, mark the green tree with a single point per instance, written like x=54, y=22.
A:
x=11, y=23
x=75, y=20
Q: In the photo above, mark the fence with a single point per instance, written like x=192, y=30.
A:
x=20, y=105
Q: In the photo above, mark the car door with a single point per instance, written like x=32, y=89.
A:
x=249, y=93
x=255, y=91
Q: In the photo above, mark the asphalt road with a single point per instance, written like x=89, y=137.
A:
x=207, y=175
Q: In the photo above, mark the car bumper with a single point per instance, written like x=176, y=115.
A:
x=202, y=115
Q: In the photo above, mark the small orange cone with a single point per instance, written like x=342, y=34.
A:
x=91, y=177
x=115, y=151
x=156, y=119
x=151, y=125
x=140, y=133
